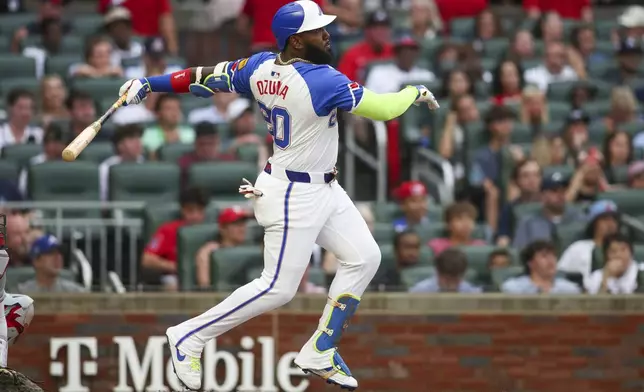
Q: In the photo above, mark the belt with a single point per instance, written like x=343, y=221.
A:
x=295, y=176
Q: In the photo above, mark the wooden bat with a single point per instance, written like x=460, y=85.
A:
x=73, y=150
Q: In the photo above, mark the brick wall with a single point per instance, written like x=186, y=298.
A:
x=449, y=353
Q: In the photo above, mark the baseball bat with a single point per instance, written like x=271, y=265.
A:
x=80, y=142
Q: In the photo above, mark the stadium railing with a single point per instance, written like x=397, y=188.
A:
x=107, y=238
x=377, y=161
x=429, y=167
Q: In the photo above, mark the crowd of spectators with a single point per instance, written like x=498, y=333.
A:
x=540, y=119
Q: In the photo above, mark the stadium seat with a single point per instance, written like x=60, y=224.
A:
x=620, y=174
x=19, y=275
x=604, y=28
x=598, y=108
x=387, y=212
x=88, y=24
x=60, y=64
x=629, y=201
x=412, y=275
x=477, y=257
x=229, y=266
x=9, y=170
x=481, y=90
x=495, y=48
x=559, y=111
x=156, y=214
x=65, y=181
x=248, y=153
x=569, y=233
x=14, y=66
x=412, y=121
x=71, y=44
x=190, y=102
x=384, y=233
x=500, y=275
x=172, y=152
x=189, y=240
x=97, y=152
x=152, y=182
x=100, y=88
x=222, y=179
x=560, y=91
x=25, y=83
x=11, y=22
x=632, y=128
x=429, y=47
x=21, y=153
x=5, y=44
x=462, y=28
x=523, y=210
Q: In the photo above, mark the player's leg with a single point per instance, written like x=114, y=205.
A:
x=347, y=235
x=291, y=227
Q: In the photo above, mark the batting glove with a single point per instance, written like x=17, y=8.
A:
x=136, y=89
x=249, y=191
x=424, y=95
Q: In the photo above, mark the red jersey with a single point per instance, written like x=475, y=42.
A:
x=354, y=60
x=570, y=9
x=164, y=242
x=261, y=12
x=145, y=13
x=450, y=9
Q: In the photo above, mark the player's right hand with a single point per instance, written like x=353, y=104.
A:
x=136, y=89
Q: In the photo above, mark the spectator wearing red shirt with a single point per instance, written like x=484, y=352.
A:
x=450, y=9
x=377, y=45
x=569, y=9
x=149, y=18
x=160, y=254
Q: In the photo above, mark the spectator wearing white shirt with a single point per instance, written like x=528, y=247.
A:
x=387, y=78
x=619, y=275
x=154, y=61
x=128, y=147
x=20, y=113
x=554, y=68
x=50, y=44
x=603, y=220
x=540, y=261
x=118, y=25
x=54, y=143
x=213, y=114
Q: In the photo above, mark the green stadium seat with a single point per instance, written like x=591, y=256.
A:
x=384, y=233
x=569, y=233
x=59, y=65
x=87, y=24
x=620, y=174
x=477, y=257
x=462, y=27
x=189, y=240
x=19, y=275
x=156, y=214
x=389, y=257
x=495, y=48
x=500, y=275
x=429, y=47
x=629, y=201
x=633, y=128
x=412, y=121
x=172, y=152
x=489, y=64
x=598, y=108
x=597, y=131
x=600, y=70
x=151, y=182
x=100, y=88
x=531, y=63
x=638, y=252
x=97, y=152
x=604, y=28
x=71, y=44
x=560, y=91
x=26, y=83
x=11, y=22
x=522, y=210
x=229, y=266
x=387, y=212
x=412, y=275
x=222, y=179
x=65, y=181
x=21, y=153
x=248, y=153
x=14, y=66
x=190, y=102
x=559, y=111
x=9, y=170
x=5, y=44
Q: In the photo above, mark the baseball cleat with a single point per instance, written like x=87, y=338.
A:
x=186, y=368
x=338, y=373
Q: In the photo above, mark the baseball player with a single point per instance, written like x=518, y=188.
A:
x=296, y=197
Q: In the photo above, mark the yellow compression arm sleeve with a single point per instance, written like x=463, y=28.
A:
x=385, y=107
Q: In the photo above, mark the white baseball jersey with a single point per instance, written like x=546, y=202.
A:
x=299, y=103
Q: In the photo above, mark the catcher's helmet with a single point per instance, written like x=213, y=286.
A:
x=296, y=17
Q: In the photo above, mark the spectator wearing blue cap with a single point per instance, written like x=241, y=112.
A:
x=47, y=260
x=603, y=220
x=543, y=224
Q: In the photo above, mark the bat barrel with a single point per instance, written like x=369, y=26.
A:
x=73, y=150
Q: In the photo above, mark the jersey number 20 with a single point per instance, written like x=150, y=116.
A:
x=278, y=121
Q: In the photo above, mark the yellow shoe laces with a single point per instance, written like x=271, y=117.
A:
x=195, y=364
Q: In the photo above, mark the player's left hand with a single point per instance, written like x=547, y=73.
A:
x=249, y=191
x=424, y=95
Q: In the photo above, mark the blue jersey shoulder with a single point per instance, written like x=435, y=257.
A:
x=329, y=88
x=241, y=70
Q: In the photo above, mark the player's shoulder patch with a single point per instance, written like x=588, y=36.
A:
x=242, y=63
